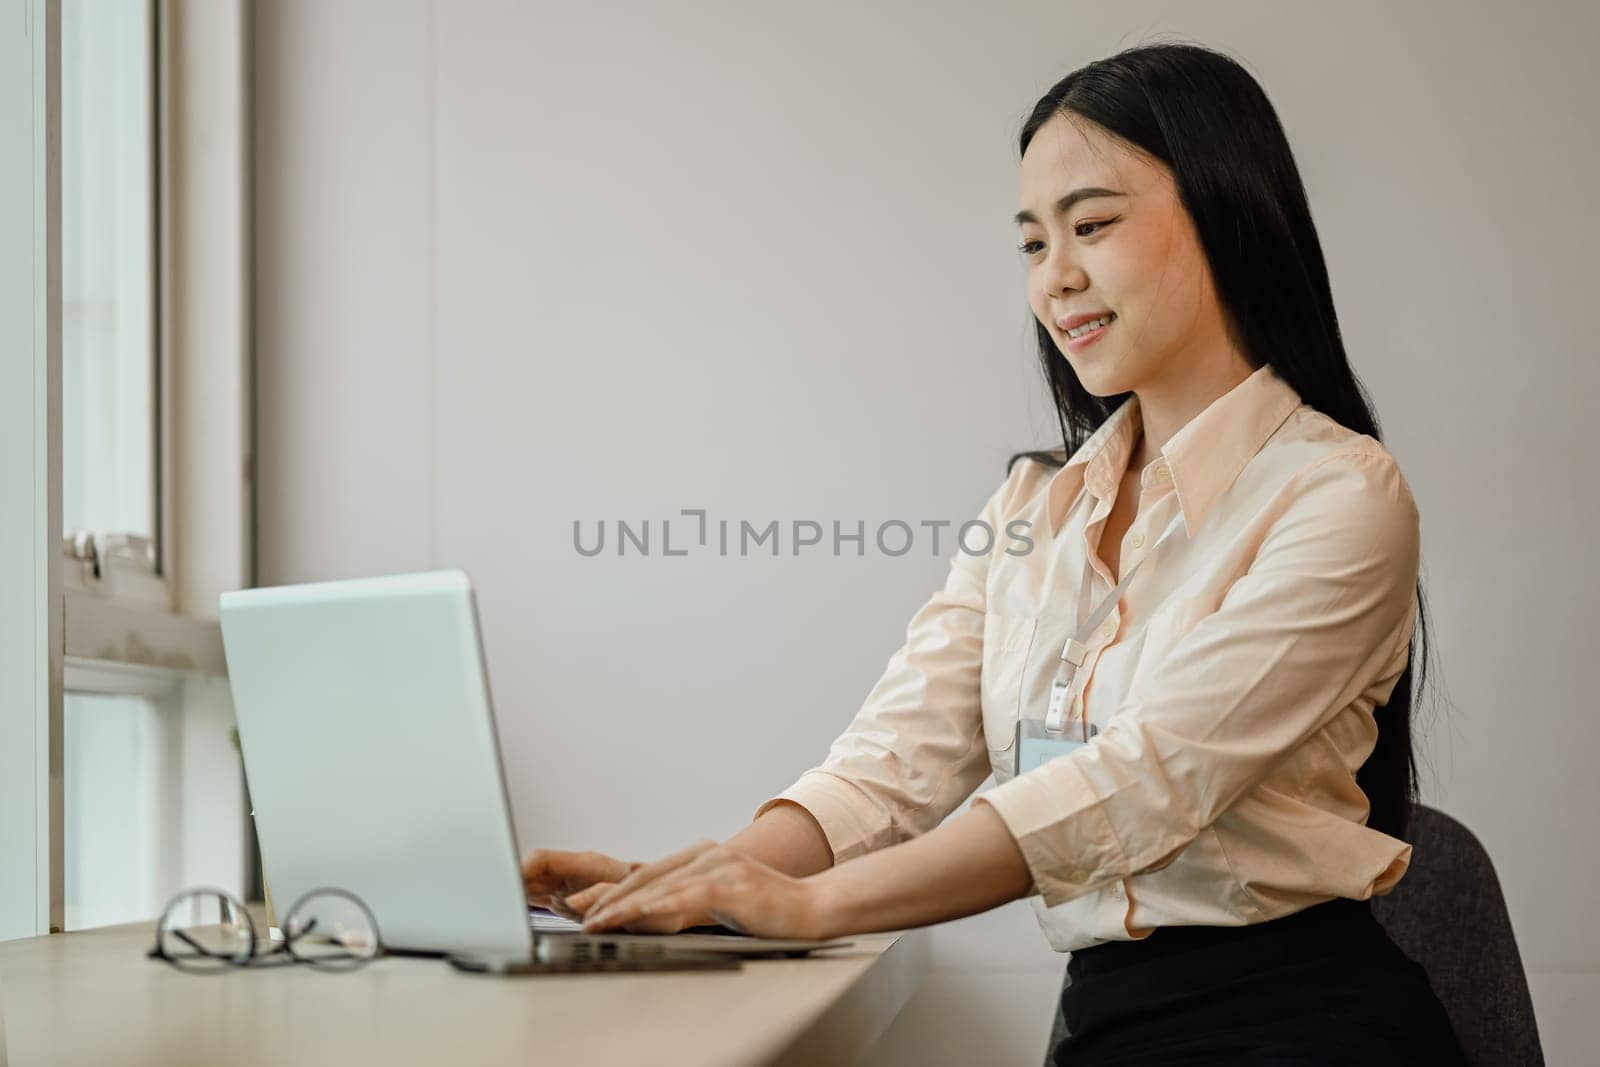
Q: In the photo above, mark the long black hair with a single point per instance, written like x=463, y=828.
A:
x=1202, y=115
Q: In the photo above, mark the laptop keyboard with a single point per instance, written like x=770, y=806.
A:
x=543, y=920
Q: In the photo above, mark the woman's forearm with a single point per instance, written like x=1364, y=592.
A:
x=786, y=837
x=967, y=865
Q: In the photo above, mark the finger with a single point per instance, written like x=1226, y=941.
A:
x=650, y=871
x=710, y=862
x=661, y=924
x=556, y=866
x=592, y=867
x=713, y=859
x=712, y=873
x=641, y=879
x=539, y=870
x=557, y=907
x=579, y=902
x=644, y=911
x=548, y=870
x=675, y=909
x=564, y=907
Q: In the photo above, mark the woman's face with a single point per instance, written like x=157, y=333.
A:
x=1125, y=247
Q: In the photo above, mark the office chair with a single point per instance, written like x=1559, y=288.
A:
x=1448, y=914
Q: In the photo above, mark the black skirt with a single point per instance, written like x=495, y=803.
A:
x=1324, y=985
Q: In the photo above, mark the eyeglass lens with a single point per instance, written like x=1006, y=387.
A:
x=331, y=928
x=205, y=930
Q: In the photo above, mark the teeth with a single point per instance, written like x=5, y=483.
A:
x=1089, y=327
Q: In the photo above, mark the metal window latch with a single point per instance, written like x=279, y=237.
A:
x=84, y=546
x=80, y=545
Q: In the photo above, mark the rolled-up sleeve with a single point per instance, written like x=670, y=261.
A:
x=915, y=750
x=1323, y=614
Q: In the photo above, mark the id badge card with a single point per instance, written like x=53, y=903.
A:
x=1036, y=745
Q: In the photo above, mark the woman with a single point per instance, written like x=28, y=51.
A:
x=1203, y=773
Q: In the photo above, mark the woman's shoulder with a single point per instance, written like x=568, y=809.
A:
x=1316, y=438
x=1312, y=455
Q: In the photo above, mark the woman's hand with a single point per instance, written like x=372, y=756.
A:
x=555, y=880
x=709, y=882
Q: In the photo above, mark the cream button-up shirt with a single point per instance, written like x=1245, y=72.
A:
x=1233, y=687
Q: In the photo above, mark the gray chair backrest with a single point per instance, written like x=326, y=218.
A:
x=1448, y=914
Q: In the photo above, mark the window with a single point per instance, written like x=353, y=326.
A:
x=151, y=794
x=109, y=269
x=124, y=284
x=118, y=745
x=116, y=749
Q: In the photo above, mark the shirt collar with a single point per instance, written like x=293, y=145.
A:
x=1204, y=457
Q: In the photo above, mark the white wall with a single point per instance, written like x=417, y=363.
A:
x=521, y=264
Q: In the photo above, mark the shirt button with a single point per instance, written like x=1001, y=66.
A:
x=1162, y=473
x=1110, y=628
x=1137, y=540
x=1078, y=877
x=1116, y=890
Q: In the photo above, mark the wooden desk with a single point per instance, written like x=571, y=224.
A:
x=93, y=998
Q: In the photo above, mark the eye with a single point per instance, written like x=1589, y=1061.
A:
x=1082, y=229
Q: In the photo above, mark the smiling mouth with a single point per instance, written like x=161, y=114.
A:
x=1090, y=327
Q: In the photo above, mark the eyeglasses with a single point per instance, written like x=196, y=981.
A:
x=208, y=930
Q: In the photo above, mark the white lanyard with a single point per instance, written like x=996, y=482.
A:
x=1075, y=650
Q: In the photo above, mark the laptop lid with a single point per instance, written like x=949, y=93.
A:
x=372, y=759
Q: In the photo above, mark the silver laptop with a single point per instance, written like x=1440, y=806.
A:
x=373, y=765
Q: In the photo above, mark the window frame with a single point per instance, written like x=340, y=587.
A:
x=167, y=613
x=131, y=629
x=92, y=554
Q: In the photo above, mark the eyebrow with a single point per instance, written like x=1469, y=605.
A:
x=1065, y=204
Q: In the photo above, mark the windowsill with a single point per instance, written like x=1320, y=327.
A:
x=104, y=634
x=80, y=675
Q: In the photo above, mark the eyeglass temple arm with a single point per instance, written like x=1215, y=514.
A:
x=158, y=953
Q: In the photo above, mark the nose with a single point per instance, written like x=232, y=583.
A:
x=1061, y=272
